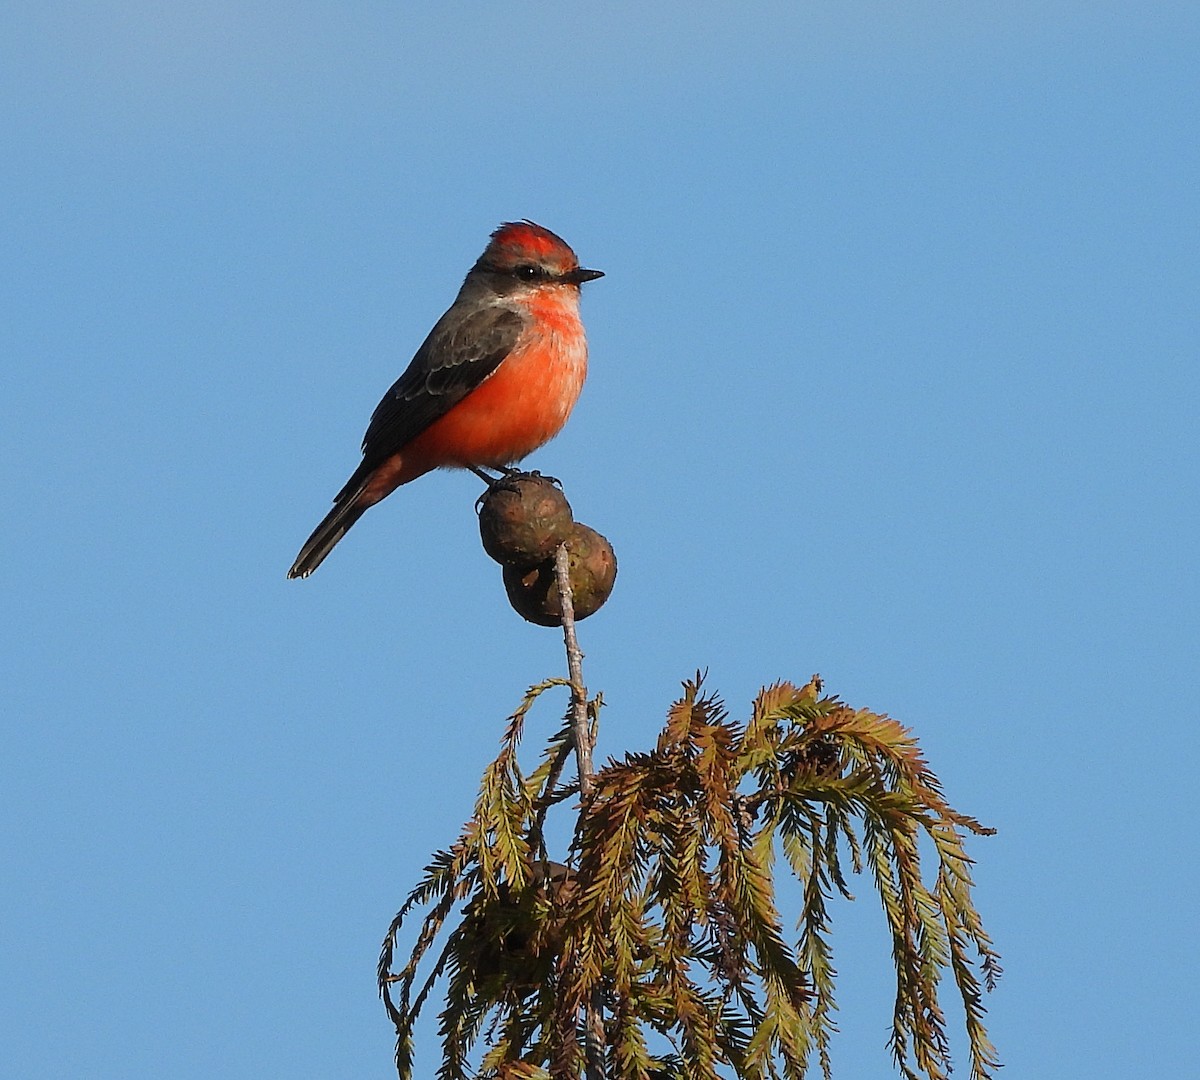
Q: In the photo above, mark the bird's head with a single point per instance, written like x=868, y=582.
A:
x=522, y=255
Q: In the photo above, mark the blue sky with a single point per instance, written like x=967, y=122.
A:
x=893, y=378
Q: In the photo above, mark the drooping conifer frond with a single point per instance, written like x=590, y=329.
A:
x=665, y=908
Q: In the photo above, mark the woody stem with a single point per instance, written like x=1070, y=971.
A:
x=579, y=709
x=593, y=1011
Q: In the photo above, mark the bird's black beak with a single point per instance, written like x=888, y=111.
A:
x=579, y=275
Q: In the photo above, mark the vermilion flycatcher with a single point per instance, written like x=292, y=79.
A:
x=496, y=378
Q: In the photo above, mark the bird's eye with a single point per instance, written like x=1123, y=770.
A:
x=528, y=272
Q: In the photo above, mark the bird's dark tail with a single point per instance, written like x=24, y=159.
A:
x=346, y=511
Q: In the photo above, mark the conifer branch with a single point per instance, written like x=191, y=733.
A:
x=667, y=924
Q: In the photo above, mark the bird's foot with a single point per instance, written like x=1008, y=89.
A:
x=512, y=474
x=507, y=480
x=509, y=473
x=487, y=477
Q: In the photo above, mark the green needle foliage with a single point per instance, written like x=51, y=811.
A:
x=667, y=912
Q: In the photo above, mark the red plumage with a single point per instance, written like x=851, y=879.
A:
x=495, y=379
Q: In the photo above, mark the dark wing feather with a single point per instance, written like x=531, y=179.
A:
x=460, y=352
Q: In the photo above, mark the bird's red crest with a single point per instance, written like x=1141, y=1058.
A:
x=516, y=239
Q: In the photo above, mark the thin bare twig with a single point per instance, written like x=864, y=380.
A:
x=579, y=710
x=594, y=1011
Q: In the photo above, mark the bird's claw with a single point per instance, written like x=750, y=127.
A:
x=535, y=474
x=507, y=480
x=509, y=473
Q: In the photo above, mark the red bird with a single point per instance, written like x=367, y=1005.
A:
x=496, y=378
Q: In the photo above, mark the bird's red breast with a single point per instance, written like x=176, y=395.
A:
x=522, y=405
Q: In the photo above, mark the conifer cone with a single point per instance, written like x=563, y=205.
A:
x=523, y=519
x=533, y=591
